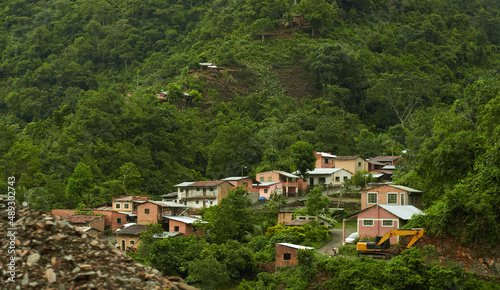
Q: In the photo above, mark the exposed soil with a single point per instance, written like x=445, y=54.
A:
x=335, y=242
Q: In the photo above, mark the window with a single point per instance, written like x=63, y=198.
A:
x=211, y=202
x=197, y=189
x=270, y=178
x=265, y=190
x=182, y=190
x=117, y=205
x=368, y=223
x=211, y=189
x=326, y=161
x=126, y=206
x=345, y=178
x=197, y=202
x=402, y=199
x=392, y=198
x=372, y=197
x=262, y=179
x=337, y=178
x=119, y=221
x=176, y=228
x=413, y=199
x=146, y=211
x=387, y=223
x=287, y=256
x=359, y=164
x=322, y=180
x=132, y=242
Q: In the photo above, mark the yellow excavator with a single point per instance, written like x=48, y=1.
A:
x=380, y=248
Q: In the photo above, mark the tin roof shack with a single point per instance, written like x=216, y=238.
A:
x=156, y=211
x=128, y=237
x=184, y=225
x=286, y=254
x=93, y=221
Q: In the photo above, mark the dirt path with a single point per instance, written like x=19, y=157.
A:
x=335, y=242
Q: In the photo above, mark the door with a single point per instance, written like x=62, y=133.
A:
x=311, y=181
x=123, y=245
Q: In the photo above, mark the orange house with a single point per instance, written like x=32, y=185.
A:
x=184, y=225
x=290, y=183
x=325, y=160
x=157, y=211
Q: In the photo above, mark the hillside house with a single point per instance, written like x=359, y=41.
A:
x=128, y=203
x=267, y=189
x=380, y=219
x=128, y=237
x=391, y=195
x=324, y=160
x=156, y=211
x=184, y=225
x=286, y=254
x=377, y=163
x=327, y=176
x=170, y=197
x=242, y=181
x=115, y=219
x=285, y=215
x=290, y=183
x=202, y=193
x=353, y=164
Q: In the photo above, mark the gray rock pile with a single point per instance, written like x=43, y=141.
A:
x=49, y=253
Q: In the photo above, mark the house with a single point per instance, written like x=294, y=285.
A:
x=207, y=66
x=286, y=254
x=353, y=164
x=285, y=215
x=184, y=225
x=202, y=193
x=378, y=162
x=324, y=160
x=128, y=237
x=153, y=211
x=128, y=203
x=89, y=231
x=266, y=189
x=327, y=176
x=391, y=195
x=170, y=197
x=381, y=218
x=115, y=219
x=318, y=219
x=242, y=181
x=92, y=221
x=290, y=183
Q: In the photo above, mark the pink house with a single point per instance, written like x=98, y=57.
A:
x=266, y=189
x=290, y=183
x=391, y=195
x=380, y=219
x=184, y=225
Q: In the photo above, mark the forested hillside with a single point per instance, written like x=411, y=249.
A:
x=80, y=121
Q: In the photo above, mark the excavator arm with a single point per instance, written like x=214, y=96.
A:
x=416, y=233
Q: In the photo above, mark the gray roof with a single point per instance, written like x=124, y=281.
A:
x=172, y=194
x=131, y=229
x=187, y=183
x=129, y=213
x=165, y=235
x=389, y=167
x=183, y=219
x=327, y=155
x=296, y=246
x=234, y=178
x=288, y=174
x=324, y=171
x=167, y=203
x=267, y=183
x=405, y=188
x=404, y=212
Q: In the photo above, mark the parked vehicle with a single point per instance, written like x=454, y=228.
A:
x=350, y=239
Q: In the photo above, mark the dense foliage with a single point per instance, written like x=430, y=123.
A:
x=80, y=121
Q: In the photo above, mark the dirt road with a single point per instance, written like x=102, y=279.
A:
x=335, y=242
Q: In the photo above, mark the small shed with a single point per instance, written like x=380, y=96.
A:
x=286, y=254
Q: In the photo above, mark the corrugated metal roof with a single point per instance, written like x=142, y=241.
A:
x=296, y=246
x=187, y=183
x=319, y=171
x=133, y=229
x=298, y=223
x=267, y=183
x=129, y=213
x=234, y=178
x=288, y=174
x=183, y=219
x=389, y=167
x=404, y=212
x=327, y=155
x=167, y=203
x=165, y=235
x=172, y=194
x=405, y=188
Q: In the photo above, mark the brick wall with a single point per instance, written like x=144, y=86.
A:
x=152, y=217
x=285, y=217
x=186, y=229
x=98, y=223
x=382, y=195
x=281, y=251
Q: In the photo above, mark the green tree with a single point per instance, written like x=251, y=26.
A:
x=316, y=202
x=80, y=185
x=302, y=157
x=317, y=12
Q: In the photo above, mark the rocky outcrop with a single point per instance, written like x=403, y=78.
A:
x=49, y=253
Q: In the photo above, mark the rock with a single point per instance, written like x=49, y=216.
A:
x=51, y=275
x=33, y=259
x=25, y=280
